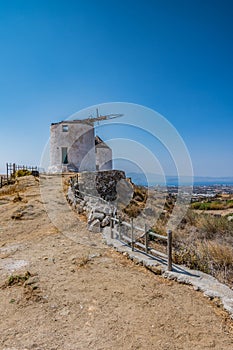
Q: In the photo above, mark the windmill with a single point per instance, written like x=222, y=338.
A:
x=100, y=118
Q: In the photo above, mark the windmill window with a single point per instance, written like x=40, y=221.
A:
x=65, y=128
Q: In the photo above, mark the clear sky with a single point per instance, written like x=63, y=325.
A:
x=174, y=56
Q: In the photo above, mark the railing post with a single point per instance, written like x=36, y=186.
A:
x=7, y=172
x=13, y=168
x=169, y=250
x=1, y=182
x=111, y=226
x=146, y=238
x=132, y=235
x=119, y=227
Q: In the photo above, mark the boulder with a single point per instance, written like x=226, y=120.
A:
x=107, y=210
x=105, y=221
x=97, y=215
x=94, y=226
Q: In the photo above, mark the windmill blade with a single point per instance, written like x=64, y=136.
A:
x=103, y=117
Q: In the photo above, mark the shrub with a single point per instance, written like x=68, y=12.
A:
x=140, y=194
x=192, y=257
x=206, y=245
x=212, y=226
x=191, y=217
x=22, y=172
x=137, y=203
x=230, y=204
x=220, y=254
x=132, y=210
x=17, y=279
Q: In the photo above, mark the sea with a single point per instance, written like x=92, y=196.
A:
x=152, y=180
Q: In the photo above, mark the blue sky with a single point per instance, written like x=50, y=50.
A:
x=173, y=56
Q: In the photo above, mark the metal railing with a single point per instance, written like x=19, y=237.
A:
x=3, y=180
x=11, y=169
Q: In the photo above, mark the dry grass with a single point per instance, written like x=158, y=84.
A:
x=29, y=283
x=202, y=241
x=8, y=190
x=205, y=243
x=212, y=226
x=159, y=228
x=82, y=261
x=137, y=204
x=20, y=185
x=17, y=279
x=220, y=253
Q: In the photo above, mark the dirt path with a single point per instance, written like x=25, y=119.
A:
x=84, y=295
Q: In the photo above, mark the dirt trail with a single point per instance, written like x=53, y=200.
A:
x=84, y=295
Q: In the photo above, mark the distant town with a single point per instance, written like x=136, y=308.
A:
x=205, y=190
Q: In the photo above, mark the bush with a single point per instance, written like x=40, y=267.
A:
x=191, y=217
x=140, y=194
x=192, y=257
x=220, y=254
x=230, y=204
x=137, y=203
x=206, y=244
x=22, y=172
x=212, y=226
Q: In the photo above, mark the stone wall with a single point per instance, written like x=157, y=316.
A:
x=101, y=184
x=95, y=193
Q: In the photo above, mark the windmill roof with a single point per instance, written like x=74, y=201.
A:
x=100, y=143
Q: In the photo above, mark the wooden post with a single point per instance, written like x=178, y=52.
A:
x=111, y=226
x=132, y=235
x=7, y=175
x=146, y=238
x=13, y=168
x=119, y=227
x=1, y=181
x=169, y=250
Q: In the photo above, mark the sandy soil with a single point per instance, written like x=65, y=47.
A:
x=84, y=295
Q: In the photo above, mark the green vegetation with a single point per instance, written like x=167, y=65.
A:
x=18, y=279
x=213, y=205
x=22, y=172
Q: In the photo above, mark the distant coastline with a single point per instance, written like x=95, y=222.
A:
x=152, y=180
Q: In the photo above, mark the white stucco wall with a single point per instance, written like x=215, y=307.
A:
x=80, y=142
x=103, y=158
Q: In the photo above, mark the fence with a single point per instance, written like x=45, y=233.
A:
x=11, y=169
x=3, y=180
x=133, y=241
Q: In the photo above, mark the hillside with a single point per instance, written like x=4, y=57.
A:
x=76, y=293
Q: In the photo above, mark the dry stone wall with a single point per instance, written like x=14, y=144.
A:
x=94, y=193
